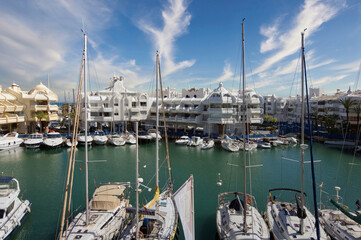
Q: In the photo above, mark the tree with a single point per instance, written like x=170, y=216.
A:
x=267, y=118
x=357, y=110
x=347, y=104
x=329, y=121
x=41, y=117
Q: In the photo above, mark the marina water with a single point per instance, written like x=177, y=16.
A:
x=42, y=175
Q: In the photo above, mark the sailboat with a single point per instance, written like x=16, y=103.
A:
x=237, y=219
x=292, y=220
x=104, y=215
x=160, y=218
x=340, y=223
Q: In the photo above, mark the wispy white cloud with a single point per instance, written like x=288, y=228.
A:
x=176, y=20
x=271, y=33
x=313, y=14
x=226, y=76
x=348, y=67
x=328, y=79
x=295, y=64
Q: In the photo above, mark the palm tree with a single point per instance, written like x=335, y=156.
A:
x=347, y=104
x=357, y=110
x=40, y=117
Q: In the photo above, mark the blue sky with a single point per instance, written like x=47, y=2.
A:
x=199, y=42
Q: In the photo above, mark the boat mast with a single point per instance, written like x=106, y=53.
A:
x=302, y=132
x=86, y=127
x=317, y=223
x=157, y=120
x=244, y=136
x=137, y=181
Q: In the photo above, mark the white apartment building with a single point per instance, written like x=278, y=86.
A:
x=208, y=112
x=274, y=106
x=116, y=105
x=322, y=105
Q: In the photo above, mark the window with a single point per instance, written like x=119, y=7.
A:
x=143, y=104
x=116, y=104
x=106, y=105
x=10, y=208
x=116, y=114
x=134, y=104
x=2, y=213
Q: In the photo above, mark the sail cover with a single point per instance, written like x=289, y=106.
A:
x=184, y=200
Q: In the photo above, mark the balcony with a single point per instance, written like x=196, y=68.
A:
x=221, y=120
x=257, y=120
x=172, y=119
x=3, y=120
x=53, y=108
x=53, y=117
x=181, y=119
x=106, y=109
x=194, y=110
x=135, y=109
x=38, y=108
x=221, y=110
x=254, y=110
x=11, y=118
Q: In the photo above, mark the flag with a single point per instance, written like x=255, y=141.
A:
x=145, y=208
x=80, y=168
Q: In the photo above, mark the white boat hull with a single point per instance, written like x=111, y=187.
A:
x=289, y=229
x=10, y=141
x=13, y=219
x=338, y=225
x=230, y=221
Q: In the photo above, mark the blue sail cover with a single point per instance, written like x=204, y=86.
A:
x=5, y=179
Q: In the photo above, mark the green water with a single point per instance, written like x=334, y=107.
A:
x=42, y=173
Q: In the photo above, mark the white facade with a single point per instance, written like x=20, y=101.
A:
x=208, y=112
x=116, y=105
x=275, y=107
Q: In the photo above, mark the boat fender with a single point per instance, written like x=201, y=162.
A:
x=249, y=201
x=140, y=234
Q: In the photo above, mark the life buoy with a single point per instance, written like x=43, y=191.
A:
x=249, y=201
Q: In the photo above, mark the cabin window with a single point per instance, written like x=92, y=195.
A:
x=195, y=96
x=2, y=213
x=10, y=208
x=143, y=104
x=116, y=114
x=105, y=105
x=115, y=104
x=187, y=96
x=134, y=104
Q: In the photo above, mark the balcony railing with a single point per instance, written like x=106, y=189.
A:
x=53, y=108
x=221, y=110
x=221, y=120
x=53, y=117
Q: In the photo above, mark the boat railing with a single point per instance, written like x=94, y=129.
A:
x=223, y=197
x=11, y=215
